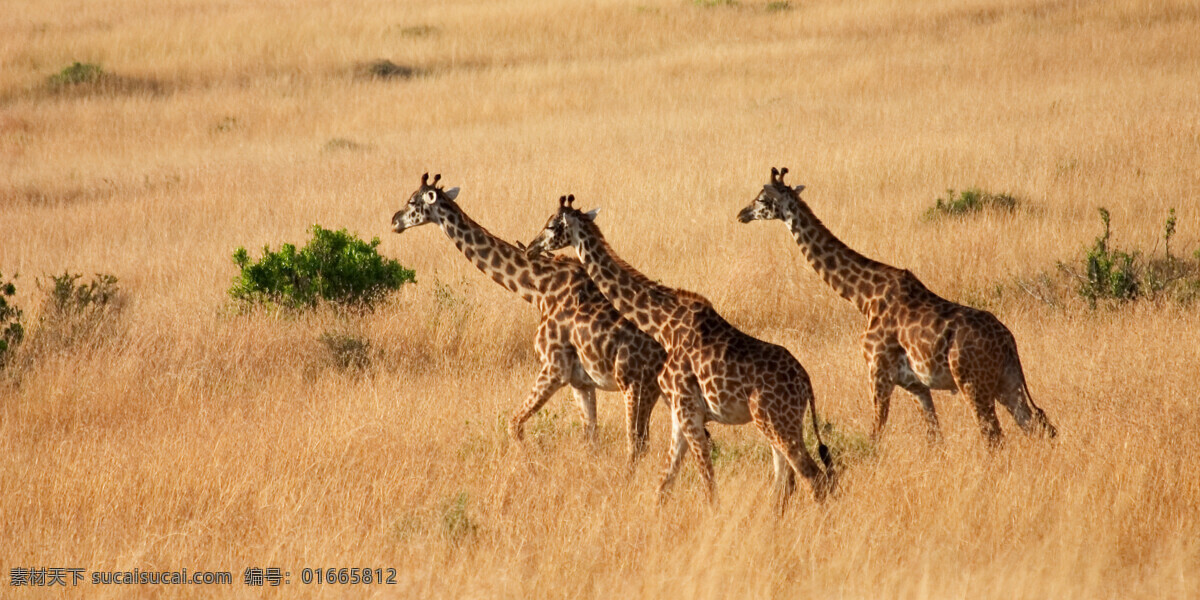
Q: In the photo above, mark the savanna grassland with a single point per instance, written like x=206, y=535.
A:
x=182, y=433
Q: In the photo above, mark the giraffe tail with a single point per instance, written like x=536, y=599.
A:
x=1039, y=415
x=822, y=449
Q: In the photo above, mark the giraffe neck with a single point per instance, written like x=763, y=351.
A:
x=850, y=274
x=646, y=304
x=503, y=262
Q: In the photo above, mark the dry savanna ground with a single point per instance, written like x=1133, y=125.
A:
x=181, y=434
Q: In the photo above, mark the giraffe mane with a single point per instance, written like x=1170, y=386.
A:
x=467, y=218
x=633, y=273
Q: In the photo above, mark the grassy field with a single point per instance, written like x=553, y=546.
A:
x=185, y=435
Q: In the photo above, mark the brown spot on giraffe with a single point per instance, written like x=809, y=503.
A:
x=914, y=338
x=581, y=340
x=713, y=371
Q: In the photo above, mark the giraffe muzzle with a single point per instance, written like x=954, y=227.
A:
x=746, y=215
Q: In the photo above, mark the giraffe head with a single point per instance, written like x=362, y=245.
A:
x=775, y=201
x=563, y=227
x=423, y=204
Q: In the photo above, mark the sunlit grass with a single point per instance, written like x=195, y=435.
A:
x=199, y=437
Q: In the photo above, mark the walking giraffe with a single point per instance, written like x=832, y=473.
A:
x=714, y=372
x=581, y=340
x=914, y=338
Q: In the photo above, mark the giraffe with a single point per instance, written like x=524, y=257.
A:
x=914, y=338
x=713, y=372
x=581, y=340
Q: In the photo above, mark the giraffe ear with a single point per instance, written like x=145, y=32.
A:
x=430, y=197
x=452, y=193
x=591, y=214
x=799, y=189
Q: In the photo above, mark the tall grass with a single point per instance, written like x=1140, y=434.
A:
x=197, y=437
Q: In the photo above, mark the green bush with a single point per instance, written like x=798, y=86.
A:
x=970, y=201
x=1109, y=272
x=1112, y=274
x=11, y=332
x=335, y=267
x=77, y=74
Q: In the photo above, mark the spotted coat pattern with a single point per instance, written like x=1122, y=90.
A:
x=714, y=372
x=914, y=338
x=581, y=341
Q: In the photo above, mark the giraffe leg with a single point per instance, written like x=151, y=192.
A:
x=630, y=392
x=639, y=403
x=698, y=441
x=632, y=414
x=925, y=398
x=977, y=380
x=785, y=432
x=881, y=350
x=785, y=478
x=985, y=411
x=585, y=397
x=549, y=380
x=674, y=452
x=881, y=378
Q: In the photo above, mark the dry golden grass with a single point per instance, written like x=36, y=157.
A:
x=193, y=438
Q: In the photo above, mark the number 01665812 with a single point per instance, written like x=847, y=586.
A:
x=348, y=576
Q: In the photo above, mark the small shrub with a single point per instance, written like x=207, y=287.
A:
x=340, y=143
x=714, y=3
x=729, y=453
x=385, y=69
x=335, y=267
x=456, y=521
x=68, y=296
x=845, y=447
x=970, y=201
x=779, y=6
x=75, y=312
x=349, y=352
x=1113, y=275
x=1109, y=272
x=415, y=31
x=81, y=79
x=77, y=74
x=226, y=124
x=549, y=423
x=11, y=331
